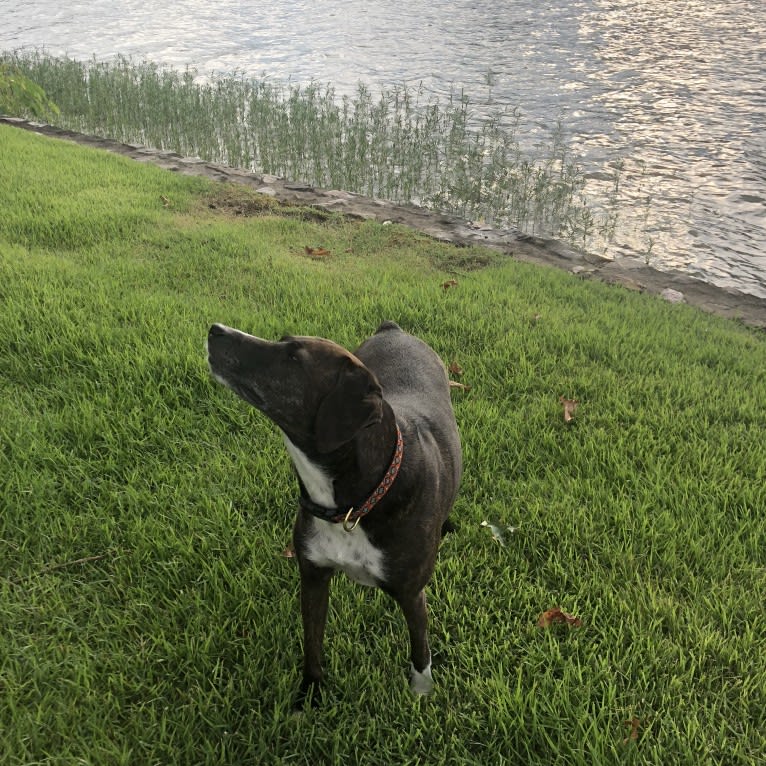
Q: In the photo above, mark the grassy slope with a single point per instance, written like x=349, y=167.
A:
x=179, y=644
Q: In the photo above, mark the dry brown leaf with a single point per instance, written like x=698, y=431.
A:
x=459, y=386
x=288, y=552
x=570, y=405
x=449, y=283
x=455, y=369
x=316, y=252
x=556, y=616
x=635, y=724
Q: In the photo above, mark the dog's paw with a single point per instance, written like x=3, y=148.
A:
x=421, y=682
x=309, y=696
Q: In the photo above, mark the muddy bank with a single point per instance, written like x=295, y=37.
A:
x=630, y=274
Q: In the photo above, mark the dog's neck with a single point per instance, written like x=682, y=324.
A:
x=349, y=474
x=315, y=480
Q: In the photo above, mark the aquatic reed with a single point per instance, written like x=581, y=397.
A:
x=402, y=144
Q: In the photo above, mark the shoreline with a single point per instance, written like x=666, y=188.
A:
x=629, y=274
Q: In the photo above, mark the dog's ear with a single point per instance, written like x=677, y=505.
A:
x=354, y=403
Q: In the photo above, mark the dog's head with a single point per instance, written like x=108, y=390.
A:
x=318, y=393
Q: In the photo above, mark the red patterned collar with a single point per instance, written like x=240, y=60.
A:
x=350, y=517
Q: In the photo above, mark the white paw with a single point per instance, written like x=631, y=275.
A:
x=421, y=683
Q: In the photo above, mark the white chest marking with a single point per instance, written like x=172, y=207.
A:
x=330, y=545
x=318, y=484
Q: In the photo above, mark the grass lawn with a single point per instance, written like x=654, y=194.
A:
x=147, y=614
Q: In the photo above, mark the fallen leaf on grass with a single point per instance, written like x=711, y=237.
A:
x=556, y=617
x=497, y=533
x=635, y=724
x=449, y=283
x=288, y=552
x=570, y=405
x=455, y=369
x=459, y=386
x=316, y=252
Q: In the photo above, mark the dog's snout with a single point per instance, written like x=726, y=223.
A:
x=218, y=346
x=215, y=330
x=219, y=357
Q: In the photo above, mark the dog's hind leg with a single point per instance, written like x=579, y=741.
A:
x=315, y=592
x=416, y=614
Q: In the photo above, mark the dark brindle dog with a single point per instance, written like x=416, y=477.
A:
x=376, y=448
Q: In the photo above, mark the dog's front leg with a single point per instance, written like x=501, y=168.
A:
x=416, y=614
x=315, y=592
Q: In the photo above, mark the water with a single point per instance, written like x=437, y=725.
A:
x=670, y=91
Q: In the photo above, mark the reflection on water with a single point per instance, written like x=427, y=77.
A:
x=684, y=84
x=670, y=91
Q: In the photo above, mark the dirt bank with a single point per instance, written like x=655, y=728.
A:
x=630, y=274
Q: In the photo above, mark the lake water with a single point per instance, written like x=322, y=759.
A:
x=674, y=90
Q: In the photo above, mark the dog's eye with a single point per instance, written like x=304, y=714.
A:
x=293, y=350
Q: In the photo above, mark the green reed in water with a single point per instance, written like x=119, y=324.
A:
x=400, y=145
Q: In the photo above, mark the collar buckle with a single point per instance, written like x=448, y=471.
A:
x=347, y=525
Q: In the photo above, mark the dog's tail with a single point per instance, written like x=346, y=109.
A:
x=448, y=526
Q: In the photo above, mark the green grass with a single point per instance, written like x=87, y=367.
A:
x=146, y=613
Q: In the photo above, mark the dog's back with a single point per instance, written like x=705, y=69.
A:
x=405, y=367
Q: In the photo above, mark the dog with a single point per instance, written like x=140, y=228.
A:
x=376, y=449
